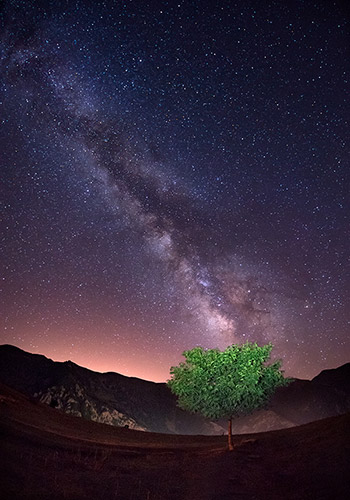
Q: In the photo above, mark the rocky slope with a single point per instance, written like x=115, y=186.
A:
x=138, y=404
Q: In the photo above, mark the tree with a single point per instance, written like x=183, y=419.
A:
x=227, y=383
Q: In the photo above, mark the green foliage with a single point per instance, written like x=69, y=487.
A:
x=226, y=383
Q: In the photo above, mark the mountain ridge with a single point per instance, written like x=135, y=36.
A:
x=103, y=397
x=123, y=401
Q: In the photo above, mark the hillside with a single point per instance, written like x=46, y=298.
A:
x=303, y=401
x=48, y=454
x=123, y=401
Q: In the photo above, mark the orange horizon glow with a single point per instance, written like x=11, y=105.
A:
x=104, y=363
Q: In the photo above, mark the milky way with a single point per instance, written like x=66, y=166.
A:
x=175, y=174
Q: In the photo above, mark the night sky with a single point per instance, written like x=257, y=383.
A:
x=175, y=174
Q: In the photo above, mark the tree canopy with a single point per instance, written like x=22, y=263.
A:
x=226, y=383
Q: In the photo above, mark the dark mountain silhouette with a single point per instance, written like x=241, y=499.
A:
x=48, y=454
x=138, y=404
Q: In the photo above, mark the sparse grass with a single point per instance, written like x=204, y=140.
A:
x=48, y=455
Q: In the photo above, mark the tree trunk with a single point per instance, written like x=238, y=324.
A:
x=230, y=445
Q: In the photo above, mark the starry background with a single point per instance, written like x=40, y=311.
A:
x=175, y=174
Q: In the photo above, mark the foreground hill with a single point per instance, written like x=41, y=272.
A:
x=122, y=401
x=47, y=454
